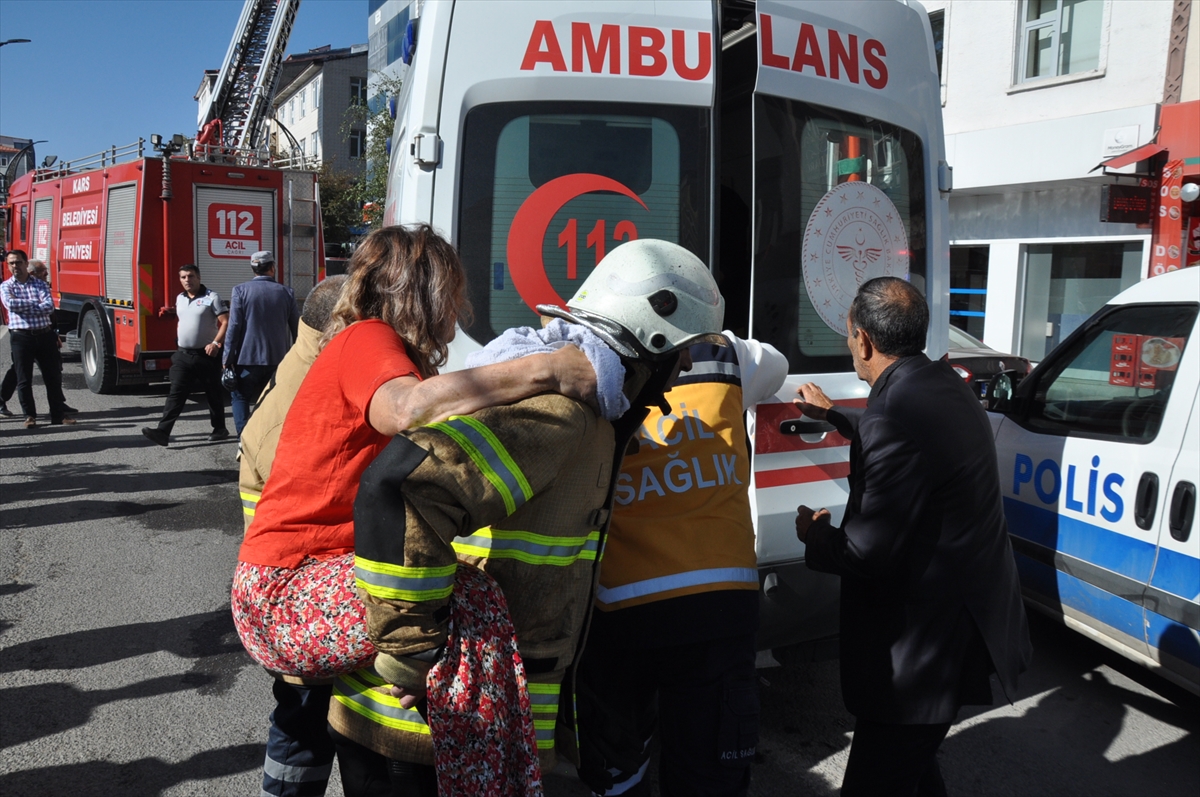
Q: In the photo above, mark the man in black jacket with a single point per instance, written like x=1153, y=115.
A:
x=931, y=606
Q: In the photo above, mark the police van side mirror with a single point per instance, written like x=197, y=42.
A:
x=999, y=396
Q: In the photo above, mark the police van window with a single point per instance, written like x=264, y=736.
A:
x=840, y=199
x=579, y=179
x=1113, y=382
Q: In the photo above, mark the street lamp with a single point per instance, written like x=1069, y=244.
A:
x=15, y=41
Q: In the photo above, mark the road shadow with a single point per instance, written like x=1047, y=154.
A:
x=39, y=710
x=195, y=636
x=63, y=480
x=79, y=511
x=12, y=588
x=34, y=444
x=141, y=778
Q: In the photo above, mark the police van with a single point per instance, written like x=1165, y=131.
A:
x=1099, y=453
x=795, y=147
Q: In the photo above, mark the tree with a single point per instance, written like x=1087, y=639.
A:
x=372, y=121
x=341, y=212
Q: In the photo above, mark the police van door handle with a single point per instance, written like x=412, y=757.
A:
x=1146, y=503
x=1183, y=510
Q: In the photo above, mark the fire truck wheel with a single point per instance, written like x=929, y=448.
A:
x=99, y=367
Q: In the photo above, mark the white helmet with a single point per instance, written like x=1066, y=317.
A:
x=647, y=299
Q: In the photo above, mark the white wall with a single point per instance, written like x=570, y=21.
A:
x=982, y=47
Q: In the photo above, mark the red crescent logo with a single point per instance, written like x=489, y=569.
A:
x=529, y=226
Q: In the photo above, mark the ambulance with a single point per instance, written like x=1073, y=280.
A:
x=795, y=147
x=1099, y=453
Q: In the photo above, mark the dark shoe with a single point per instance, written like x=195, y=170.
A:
x=219, y=434
x=31, y=422
x=156, y=436
x=69, y=410
x=64, y=422
x=5, y=411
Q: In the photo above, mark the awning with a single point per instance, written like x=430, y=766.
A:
x=1132, y=156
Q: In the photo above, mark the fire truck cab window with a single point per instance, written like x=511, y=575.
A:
x=802, y=154
x=552, y=161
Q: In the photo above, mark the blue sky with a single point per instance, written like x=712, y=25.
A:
x=104, y=72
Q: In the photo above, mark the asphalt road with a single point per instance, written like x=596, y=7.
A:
x=121, y=674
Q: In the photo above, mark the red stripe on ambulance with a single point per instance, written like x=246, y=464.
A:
x=645, y=48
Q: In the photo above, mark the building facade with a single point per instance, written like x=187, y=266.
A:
x=309, y=119
x=1036, y=94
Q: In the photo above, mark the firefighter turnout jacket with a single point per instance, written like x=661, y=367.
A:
x=522, y=491
x=260, y=438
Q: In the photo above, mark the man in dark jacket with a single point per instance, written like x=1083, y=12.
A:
x=931, y=606
x=262, y=326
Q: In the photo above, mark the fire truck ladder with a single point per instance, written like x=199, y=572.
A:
x=241, y=98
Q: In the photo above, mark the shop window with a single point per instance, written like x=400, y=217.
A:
x=1059, y=37
x=1114, y=380
x=1066, y=283
x=968, y=288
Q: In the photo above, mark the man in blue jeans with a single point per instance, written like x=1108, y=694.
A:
x=262, y=326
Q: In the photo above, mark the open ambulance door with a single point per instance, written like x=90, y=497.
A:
x=839, y=197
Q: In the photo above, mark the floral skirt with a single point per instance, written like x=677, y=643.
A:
x=305, y=621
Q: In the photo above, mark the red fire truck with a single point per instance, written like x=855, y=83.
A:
x=114, y=228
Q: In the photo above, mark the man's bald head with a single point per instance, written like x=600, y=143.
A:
x=893, y=313
x=318, y=307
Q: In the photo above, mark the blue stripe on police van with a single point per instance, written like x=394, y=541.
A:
x=1058, y=588
x=1177, y=573
x=1089, y=542
x=1172, y=639
x=652, y=586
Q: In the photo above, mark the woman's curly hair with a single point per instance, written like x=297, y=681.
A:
x=412, y=279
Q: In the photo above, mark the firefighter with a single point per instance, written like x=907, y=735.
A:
x=671, y=647
x=522, y=492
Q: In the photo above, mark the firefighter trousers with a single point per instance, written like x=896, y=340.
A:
x=699, y=700
x=299, y=751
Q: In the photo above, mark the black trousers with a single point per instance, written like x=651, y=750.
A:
x=192, y=369
x=894, y=761
x=299, y=751
x=366, y=773
x=9, y=386
x=700, y=700
x=40, y=347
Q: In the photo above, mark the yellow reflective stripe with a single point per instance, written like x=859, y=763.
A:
x=490, y=456
x=382, y=719
x=501, y=452
x=249, y=502
x=544, y=689
x=250, y=496
x=528, y=547
x=376, y=706
x=398, y=582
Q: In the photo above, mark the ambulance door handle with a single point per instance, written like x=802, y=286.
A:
x=1146, y=503
x=1183, y=509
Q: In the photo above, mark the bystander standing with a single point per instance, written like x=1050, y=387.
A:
x=262, y=326
x=202, y=320
x=29, y=305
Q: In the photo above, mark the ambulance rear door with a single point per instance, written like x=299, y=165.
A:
x=847, y=143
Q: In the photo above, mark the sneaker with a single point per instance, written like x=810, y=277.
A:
x=219, y=434
x=31, y=422
x=64, y=422
x=156, y=436
x=5, y=411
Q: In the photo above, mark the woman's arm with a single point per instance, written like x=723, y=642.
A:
x=407, y=402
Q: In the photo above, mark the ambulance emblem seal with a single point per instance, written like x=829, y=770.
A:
x=854, y=234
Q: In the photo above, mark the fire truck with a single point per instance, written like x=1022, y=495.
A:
x=114, y=228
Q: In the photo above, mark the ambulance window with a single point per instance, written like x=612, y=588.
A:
x=1114, y=380
x=840, y=199
x=565, y=176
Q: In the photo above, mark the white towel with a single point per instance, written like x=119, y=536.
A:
x=524, y=341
